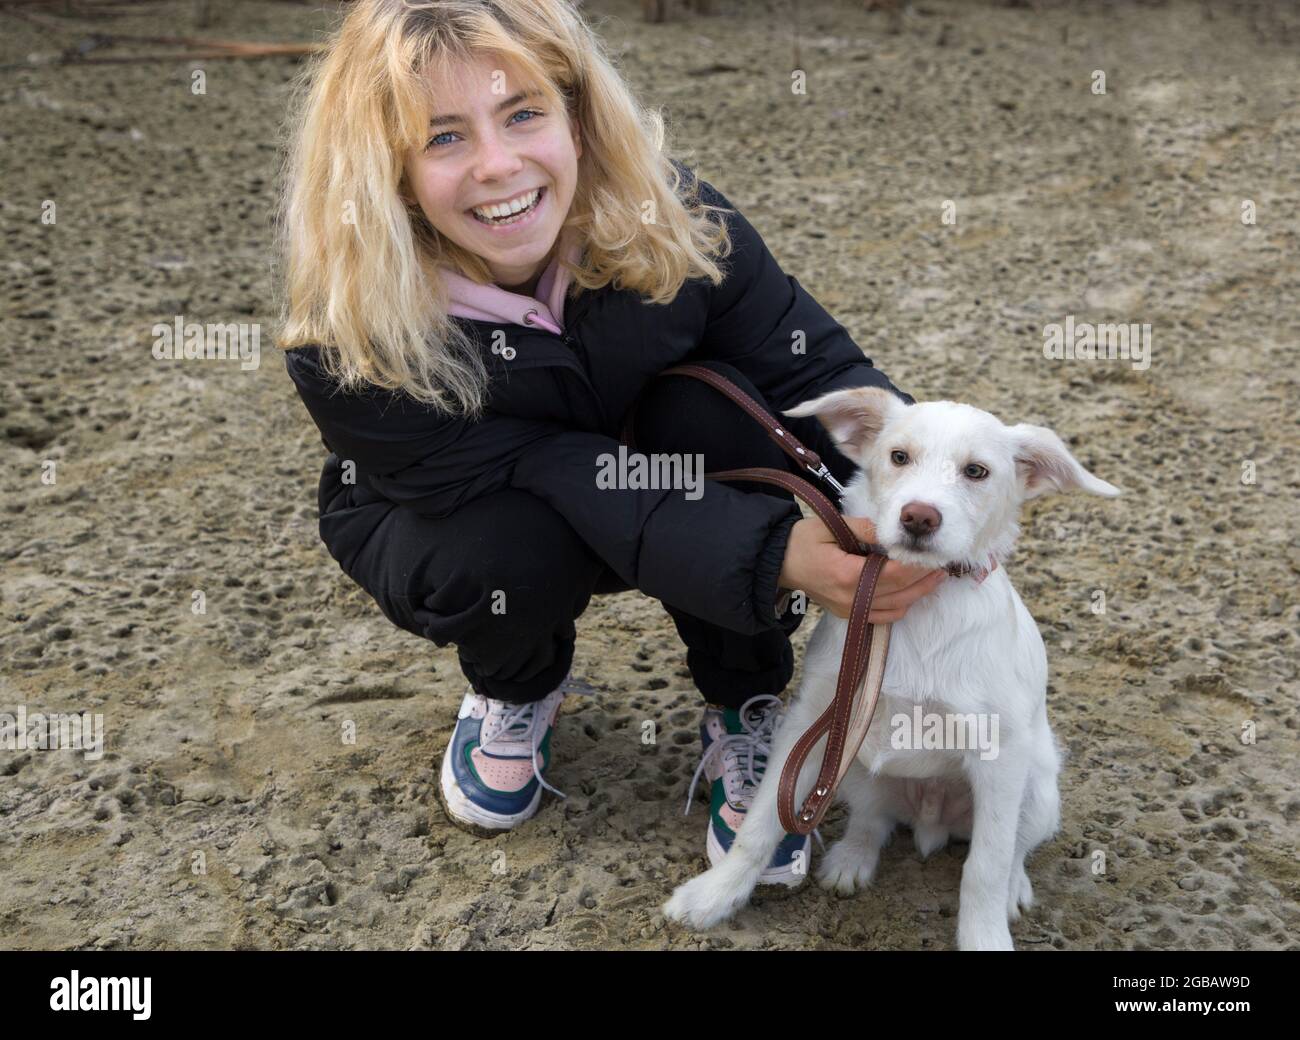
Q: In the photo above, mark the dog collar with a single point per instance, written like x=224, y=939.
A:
x=962, y=570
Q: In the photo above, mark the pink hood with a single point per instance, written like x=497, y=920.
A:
x=492, y=303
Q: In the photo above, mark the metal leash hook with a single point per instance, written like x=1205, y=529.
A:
x=827, y=476
x=817, y=471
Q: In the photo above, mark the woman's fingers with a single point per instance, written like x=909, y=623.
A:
x=895, y=576
x=863, y=528
x=898, y=587
x=905, y=587
x=892, y=608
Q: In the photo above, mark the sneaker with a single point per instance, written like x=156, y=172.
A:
x=492, y=769
x=736, y=747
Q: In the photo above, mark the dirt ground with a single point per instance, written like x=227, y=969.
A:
x=228, y=811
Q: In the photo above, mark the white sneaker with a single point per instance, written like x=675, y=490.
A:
x=492, y=770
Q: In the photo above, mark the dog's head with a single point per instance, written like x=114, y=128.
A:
x=942, y=481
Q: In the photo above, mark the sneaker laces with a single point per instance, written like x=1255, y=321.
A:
x=741, y=750
x=509, y=726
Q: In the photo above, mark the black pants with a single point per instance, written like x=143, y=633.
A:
x=505, y=577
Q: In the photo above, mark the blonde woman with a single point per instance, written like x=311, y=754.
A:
x=489, y=257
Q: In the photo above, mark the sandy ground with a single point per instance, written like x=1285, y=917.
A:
x=227, y=810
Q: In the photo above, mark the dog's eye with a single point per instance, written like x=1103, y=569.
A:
x=898, y=457
x=975, y=471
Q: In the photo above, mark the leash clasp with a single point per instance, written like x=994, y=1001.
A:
x=826, y=475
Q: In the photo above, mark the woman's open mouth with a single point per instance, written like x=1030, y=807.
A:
x=518, y=210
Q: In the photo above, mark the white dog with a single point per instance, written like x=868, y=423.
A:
x=943, y=483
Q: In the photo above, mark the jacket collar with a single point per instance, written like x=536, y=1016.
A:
x=469, y=299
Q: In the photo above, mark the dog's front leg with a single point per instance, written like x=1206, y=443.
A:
x=997, y=788
x=720, y=891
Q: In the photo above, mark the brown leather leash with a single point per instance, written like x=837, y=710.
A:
x=862, y=665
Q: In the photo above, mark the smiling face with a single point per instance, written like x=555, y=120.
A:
x=499, y=170
x=942, y=481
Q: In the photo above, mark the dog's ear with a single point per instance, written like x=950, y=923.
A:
x=853, y=418
x=1044, y=464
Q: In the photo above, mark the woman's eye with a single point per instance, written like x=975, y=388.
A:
x=434, y=142
x=975, y=471
x=527, y=112
x=898, y=457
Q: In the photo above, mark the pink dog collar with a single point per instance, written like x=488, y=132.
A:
x=962, y=570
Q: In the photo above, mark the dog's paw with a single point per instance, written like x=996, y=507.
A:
x=704, y=901
x=847, y=867
x=984, y=937
x=1021, y=895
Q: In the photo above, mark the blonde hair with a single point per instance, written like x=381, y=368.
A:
x=368, y=290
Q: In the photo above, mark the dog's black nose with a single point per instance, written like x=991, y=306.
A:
x=919, y=520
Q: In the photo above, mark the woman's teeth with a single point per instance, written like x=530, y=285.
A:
x=508, y=212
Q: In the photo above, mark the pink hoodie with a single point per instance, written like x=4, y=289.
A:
x=492, y=303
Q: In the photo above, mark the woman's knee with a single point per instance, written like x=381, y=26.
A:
x=684, y=415
x=669, y=398
x=506, y=558
x=515, y=538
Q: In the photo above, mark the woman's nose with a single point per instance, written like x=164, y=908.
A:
x=495, y=158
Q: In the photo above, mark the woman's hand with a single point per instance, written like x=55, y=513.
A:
x=815, y=563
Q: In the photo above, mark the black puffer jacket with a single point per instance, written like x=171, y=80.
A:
x=559, y=403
